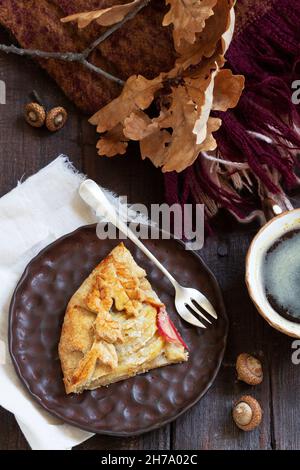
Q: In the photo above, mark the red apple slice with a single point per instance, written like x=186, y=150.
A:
x=167, y=329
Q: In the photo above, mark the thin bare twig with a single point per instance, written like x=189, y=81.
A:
x=80, y=57
x=65, y=56
x=114, y=28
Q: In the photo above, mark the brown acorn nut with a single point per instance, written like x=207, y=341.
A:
x=247, y=413
x=35, y=114
x=249, y=369
x=56, y=118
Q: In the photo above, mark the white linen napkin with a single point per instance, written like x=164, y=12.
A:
x=34, y=214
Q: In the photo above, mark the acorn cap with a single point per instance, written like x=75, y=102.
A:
x=56, y=118
x=35, y=114
x=249, y=369
x=247, y=413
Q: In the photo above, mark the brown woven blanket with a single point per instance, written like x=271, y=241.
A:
x=142, y=45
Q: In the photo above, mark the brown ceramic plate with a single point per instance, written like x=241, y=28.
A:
x=136, y=405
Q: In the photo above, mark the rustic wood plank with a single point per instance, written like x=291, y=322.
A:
x=157, y=440
x=11, y=437
x=285, y=388
x=209, y=424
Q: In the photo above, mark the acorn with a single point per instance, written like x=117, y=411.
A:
x=249, y=369
x=35, y=114
x=247, y=413
x=56, y=118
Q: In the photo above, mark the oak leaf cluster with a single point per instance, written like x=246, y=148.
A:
x=184, y=98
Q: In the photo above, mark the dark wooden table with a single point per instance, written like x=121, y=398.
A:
x=208, y=425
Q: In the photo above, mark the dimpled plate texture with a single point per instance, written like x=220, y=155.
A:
x=135, y=405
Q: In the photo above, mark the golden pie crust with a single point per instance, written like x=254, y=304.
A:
x=110, y=328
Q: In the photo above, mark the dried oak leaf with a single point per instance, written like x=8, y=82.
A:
x=138, y=126
x=104, y=17
x=203, y=79
x=227, y=90
x=225, y=94
x=215, y=38
x=201, y=124
x=227, y=36
x=188, y=18
x=222, y=94
x=138, y=93
x=189, y=118
x=178, y=149
x=168, y=140
x=113, y=142
x=184, y=127
x=154, y=147
x=182, y=149
x=210, y=143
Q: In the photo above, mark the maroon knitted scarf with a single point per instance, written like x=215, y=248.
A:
x=266, y=49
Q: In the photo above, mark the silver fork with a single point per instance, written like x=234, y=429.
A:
x=191, y=304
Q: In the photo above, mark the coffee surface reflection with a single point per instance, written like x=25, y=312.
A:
x=281, y=273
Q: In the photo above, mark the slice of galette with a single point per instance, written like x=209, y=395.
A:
x=115, y=327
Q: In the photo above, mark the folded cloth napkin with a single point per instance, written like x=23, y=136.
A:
x=34, y=214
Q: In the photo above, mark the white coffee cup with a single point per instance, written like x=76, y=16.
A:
x=266, y=237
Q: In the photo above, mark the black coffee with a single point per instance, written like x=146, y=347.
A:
x=282, y=276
